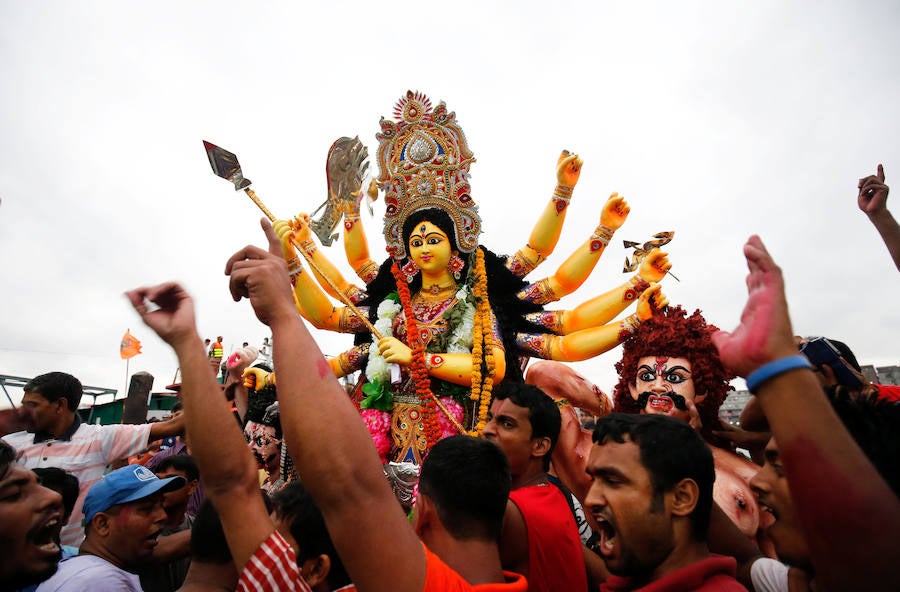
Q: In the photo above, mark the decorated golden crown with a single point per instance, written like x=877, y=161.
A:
x=424, y=162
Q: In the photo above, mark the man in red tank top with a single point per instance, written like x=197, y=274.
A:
x=540, y=537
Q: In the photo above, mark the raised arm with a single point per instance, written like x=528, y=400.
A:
x=576, y=269
x=302, y=236
x=546, y=231
x=216, y=441
x=356, y=246
x=309, y=298
x=813, y=443
x=235, y=388
x=345, y=478
x=872, y=200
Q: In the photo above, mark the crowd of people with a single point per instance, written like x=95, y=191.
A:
x=284, y=485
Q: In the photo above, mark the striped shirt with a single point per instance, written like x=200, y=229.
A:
x=272, y=568
x=86, y=455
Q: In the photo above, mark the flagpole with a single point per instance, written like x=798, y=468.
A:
x=127, y=365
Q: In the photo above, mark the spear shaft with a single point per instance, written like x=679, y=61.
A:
x=341, y=296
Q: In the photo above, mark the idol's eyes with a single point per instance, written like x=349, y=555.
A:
x=675, y=378
x=431, y=239
x=646, y=376
x=670, y=377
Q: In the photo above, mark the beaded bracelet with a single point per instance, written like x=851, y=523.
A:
x=769, y=371
x=601, y=237
x=631, y=323
x=561, y=197
x=308, y=246
x=563, y=192
x=295, y=273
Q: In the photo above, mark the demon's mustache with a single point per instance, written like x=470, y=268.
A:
x=679, y=401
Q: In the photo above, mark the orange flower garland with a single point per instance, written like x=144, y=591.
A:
x=482, y=346
x=417, y=367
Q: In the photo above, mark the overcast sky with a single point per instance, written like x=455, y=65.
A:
x=714, y=119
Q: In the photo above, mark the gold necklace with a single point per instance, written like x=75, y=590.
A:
x=435, y=289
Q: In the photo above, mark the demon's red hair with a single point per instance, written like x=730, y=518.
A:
x=672, y=333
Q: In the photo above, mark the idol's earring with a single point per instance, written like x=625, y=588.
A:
x=455, y=265
x=410, y=270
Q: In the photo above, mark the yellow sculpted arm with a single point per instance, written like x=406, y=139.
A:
x=576, y=269
x=356, y=246
x=455, y=368
x=303, y=238
x=587, y=343
x=312, y=303
x=546, y=231
x=605, y=307
x=349, y=361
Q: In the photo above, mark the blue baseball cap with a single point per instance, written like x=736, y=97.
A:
x=125, y=485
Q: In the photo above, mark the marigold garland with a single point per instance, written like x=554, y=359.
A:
x=417, y=367
x=482, y=346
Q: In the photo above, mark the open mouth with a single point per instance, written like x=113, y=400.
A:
x=607, y=533
x=767, y=508
x=45, y=536
x=662, y=404
x=153, y=539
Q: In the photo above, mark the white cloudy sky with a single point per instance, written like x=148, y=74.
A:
x=715, y=119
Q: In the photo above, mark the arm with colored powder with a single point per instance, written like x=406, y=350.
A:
x=345, y=477
x=229, y=472
x=815, y=446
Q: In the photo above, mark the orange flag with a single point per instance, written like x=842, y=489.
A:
x=130, y=346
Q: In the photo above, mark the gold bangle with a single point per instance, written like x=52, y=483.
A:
x=601, y=237
x=563, y=192
x=631, y=323
x=308, y=246
x=368, y=271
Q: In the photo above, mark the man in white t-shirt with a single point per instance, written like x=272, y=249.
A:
x=123, y=517
x=55, y=436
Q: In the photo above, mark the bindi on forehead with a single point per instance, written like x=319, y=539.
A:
x=661, y=364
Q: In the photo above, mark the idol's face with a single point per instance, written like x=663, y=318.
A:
x=663, y=385
x=429, y=247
